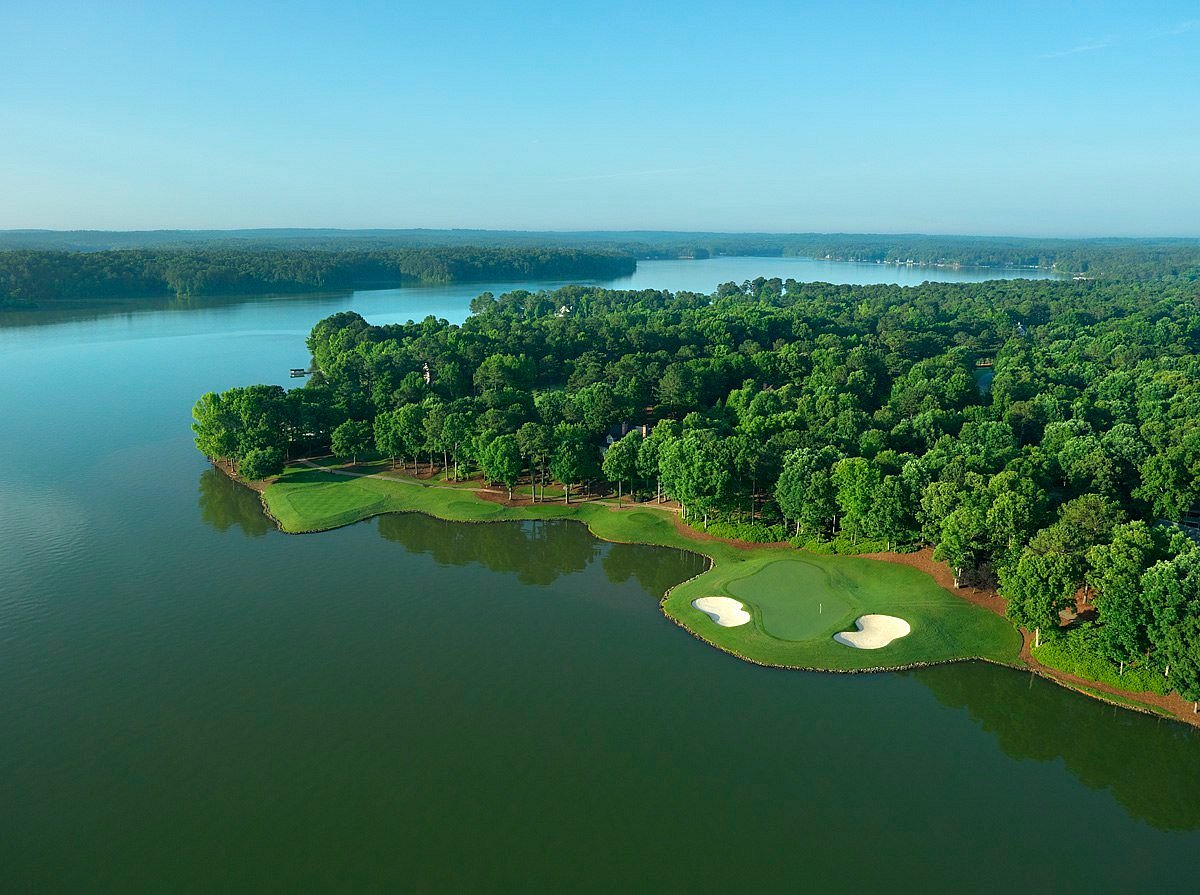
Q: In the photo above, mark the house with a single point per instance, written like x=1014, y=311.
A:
x=617, y=431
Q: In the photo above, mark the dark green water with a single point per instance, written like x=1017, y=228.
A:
x=191, y=701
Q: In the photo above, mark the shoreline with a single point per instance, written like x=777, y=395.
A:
x=1171, y=707
x=1147, y=703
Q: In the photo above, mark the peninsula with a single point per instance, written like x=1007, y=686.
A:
x=1034, y=435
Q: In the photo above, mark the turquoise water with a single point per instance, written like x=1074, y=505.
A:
x=704, y=275
x=192, y=701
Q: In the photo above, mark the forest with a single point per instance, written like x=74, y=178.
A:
x=32, y=278
x=1042, y=435
x=1126, y=258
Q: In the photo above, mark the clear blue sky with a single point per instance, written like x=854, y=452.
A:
x=996, y=118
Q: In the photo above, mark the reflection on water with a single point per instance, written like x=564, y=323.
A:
x=637, y=561
x=84, y=310
x=224, y=504
x=1107, y=748
x=537, y=552
x=1131, y=755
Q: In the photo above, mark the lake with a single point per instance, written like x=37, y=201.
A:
x=192, y=701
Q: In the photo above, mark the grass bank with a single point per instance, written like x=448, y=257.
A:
x=797, y=601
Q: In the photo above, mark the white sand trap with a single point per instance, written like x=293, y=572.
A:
x=874, y=631
x=725, y=612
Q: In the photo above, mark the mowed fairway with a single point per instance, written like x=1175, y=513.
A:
x=797, y=601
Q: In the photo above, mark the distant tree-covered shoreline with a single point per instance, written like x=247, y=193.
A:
x=1108, y=258
x=31, y=278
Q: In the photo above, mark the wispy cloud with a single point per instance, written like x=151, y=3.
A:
x=1100, y=44
x=1185, y=27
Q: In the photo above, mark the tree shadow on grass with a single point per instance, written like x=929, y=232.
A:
x=307, y=476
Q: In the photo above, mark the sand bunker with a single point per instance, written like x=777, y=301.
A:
x=725, y=612
x=874, y=631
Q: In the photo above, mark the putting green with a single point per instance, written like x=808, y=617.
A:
x=799, y=601
x=796, y=600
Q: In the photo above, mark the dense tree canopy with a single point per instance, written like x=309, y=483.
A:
x=40, y=278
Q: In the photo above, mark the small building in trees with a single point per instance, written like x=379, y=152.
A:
x=617, y=431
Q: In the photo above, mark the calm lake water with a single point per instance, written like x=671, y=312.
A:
x=191, y=701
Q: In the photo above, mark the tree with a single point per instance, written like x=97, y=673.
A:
x=536, y=442
x=963, y=539
x=752, y=459
x=1171, y=479
x=260, y=414
x=938, y=500
x=856, y=481
x=1115, y=572
x=409, y=422
x=215, y=426
x=1172, y=594
x=804, y=490
x=504, y=371
x=501, y=461
x=412, y=389
x=889, y=515
x=1180, y=647
x=598, y=406
x=456, y=434
x=1082, y=524
x=1017, y=508
x=434, y=426
x=696, y=470
x=261, y=463
x=1038, y=588
x=650, y=453
x=1088, y=520
x=352, y=438
x=574, y=457
x=387, y=438
x=679, y=387
x=620, y=460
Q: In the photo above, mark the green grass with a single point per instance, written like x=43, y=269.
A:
x=797, y=600
x=784, y=591
x=1070, y=651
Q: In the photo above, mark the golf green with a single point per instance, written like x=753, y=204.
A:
x=796, y=600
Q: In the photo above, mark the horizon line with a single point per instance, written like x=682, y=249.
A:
x=598, y=232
